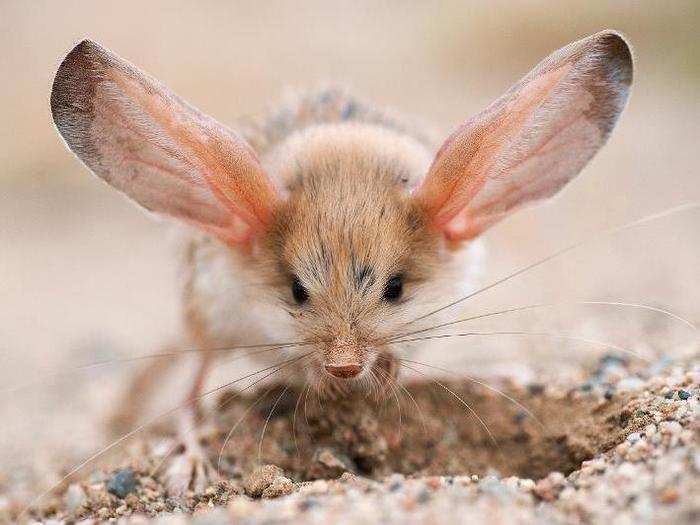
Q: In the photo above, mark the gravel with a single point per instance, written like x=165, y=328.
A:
x=643, y=467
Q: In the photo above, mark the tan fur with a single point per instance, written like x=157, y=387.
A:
x=346, y=209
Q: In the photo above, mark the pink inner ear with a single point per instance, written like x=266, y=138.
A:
x=144, y=140
x=533, y=140
x=228, y=165
x=470, y=155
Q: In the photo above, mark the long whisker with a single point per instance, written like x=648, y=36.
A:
x=267, y=422
x=222, y=407
x=551, y=305
x=603, y=344
x=240, y=420
x=461, y=401
x=135, y=431
x=668, y=313
x=410, y=396
x=606, y=233
x=485, y=385
x=261, y=348
x=306, y=414
x=235, y=426
x=375, y=384
x=294, y=417
x=392, y=384
x=415, y=403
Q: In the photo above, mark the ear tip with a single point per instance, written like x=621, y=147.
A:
x=615, y=46
x=74, y=72
x=72, y=89
x=84, y=50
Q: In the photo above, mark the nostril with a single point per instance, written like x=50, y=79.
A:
x=345, y=371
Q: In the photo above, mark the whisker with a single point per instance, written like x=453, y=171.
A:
x=668, y=313
x=485, y=385
x=222, y=406
x=461, y=401
x=172, y=448
x=245, y=414
x=380, y=388
x=392, y=384
x=415, y=403
x=306, y=414
x=261, y=348
x=240, y=420
x=267, y=422
x=398, y=406
x=535, y=306
x=602, y=344
x=294, y=418
x=408, y=393
x=606, y=233
x=375, y=385
x=135, y=431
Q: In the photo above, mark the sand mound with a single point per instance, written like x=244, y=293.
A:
x=621, y=446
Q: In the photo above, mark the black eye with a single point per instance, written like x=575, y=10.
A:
x=393, y=288
x=301, y=294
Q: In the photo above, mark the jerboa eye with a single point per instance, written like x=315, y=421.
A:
x=393, y=288
x=300, y=293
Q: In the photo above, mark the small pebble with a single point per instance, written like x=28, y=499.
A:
x=280, y=486
x=610, y=359
x=318, y=487
x=671, y=428
x=640, y=450
x=260, y=479
x=535, y=389
x=434, y=482
x=549, y=488
x=683, y=394
x=122, y=483
x=634, y=437
x=327, y=463
x=307, y=504
x=630, y=384
x=526, y=484
x=668, y=496
x=423, y=497
x=74, y=497
x=696, y=462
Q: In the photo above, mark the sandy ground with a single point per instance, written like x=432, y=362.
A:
x=622, y=447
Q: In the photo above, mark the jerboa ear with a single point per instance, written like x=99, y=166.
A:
x=144, y=140
x=533, y=140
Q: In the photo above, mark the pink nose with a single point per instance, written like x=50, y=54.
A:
x=345, y=371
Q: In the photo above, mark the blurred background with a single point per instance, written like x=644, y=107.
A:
x=85, y=276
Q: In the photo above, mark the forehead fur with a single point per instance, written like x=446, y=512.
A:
x=348, y=222
x=349, y=143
